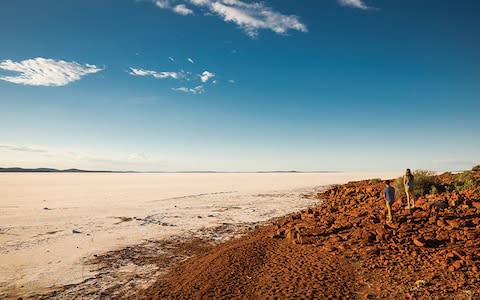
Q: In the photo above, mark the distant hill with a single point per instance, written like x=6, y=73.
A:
x=51, y=170
x=48, y=170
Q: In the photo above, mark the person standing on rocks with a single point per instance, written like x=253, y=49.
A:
x=389, y=193
x=408, y=185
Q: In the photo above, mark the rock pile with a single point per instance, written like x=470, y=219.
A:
x=437, y=242
x=345, y=247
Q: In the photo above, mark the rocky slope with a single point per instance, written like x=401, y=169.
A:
x=344, y=247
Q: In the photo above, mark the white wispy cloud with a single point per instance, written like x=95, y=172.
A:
x=156, y=74
x=35, y=156
x=196, y=90
x=22, y=148
x=180, y=9
x=45, y=72
x=354, y=3
x=206, y=75
x=183, y=10
x=249, y=16
x=162, y=3
x=231, y=81
x=254, y=16
x=192, y=83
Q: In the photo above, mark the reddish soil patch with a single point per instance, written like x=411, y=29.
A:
x=344, y=248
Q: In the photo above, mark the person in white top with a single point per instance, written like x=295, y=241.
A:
x=408, y=184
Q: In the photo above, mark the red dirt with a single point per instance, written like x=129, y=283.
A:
x=344, y=248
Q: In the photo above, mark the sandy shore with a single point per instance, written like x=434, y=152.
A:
x=89, y=233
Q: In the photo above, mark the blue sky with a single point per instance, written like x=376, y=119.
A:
x=237, y=85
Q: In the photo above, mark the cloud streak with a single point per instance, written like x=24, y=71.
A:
x=196, y=90
x=206, y=75
x=354, y=4
x=249, y=16
x=181, y=9
x=192, y=83
x=27, y=156
x=45, y=72
x=162, y=3
x=155, y=74
x=22, y=149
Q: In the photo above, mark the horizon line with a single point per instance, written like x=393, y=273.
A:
x=75, y=170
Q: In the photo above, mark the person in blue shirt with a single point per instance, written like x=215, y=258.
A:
x=389, y=193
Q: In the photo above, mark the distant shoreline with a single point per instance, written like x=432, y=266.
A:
x=51, y=170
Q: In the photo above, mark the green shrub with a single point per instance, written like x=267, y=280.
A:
x=465, y=180
x=399, y=188
x=424, y=182
x=476, y=168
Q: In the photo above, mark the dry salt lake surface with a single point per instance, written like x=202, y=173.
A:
x=53, y=224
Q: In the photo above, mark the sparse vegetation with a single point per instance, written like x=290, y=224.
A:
x=425, y=182
x=375, y=180
x=476, y=168
x=465, y=180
